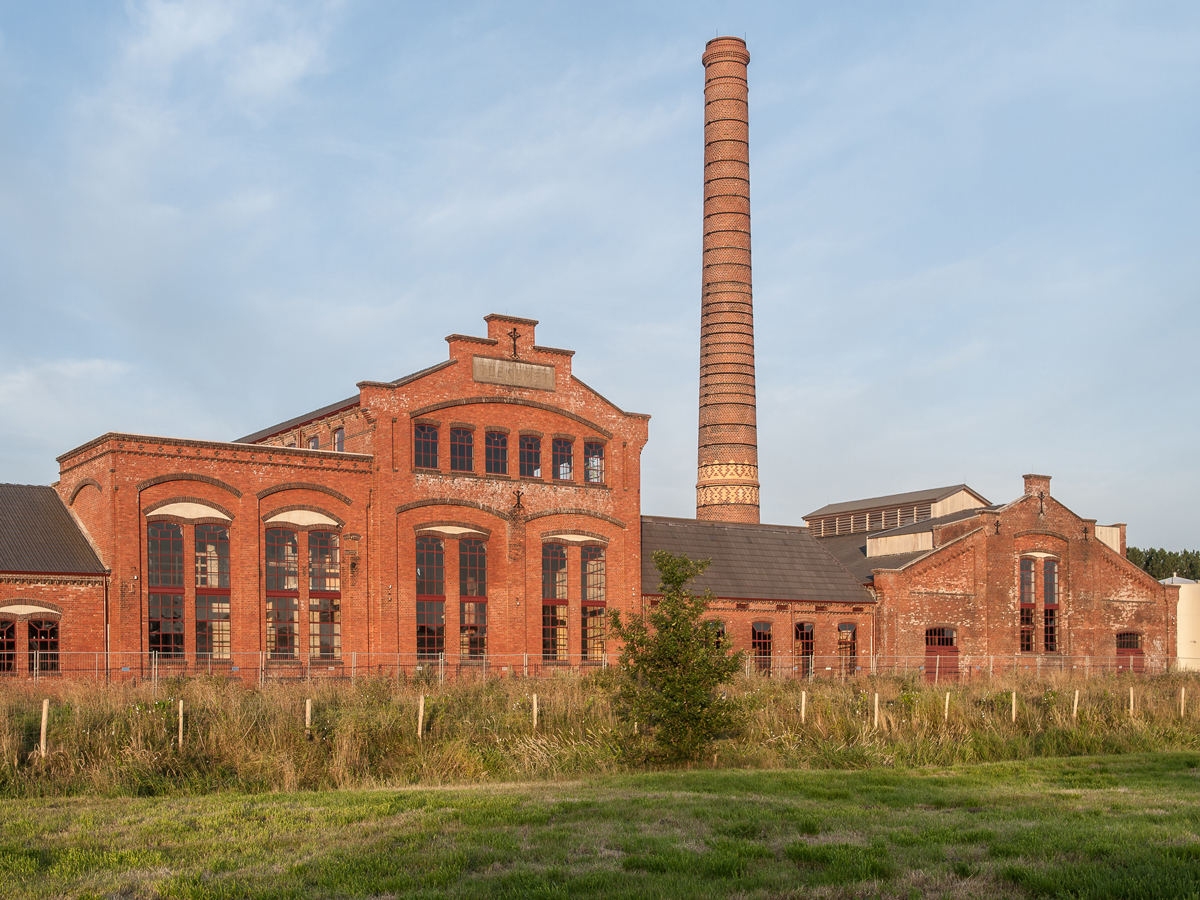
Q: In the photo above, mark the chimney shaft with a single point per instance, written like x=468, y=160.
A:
x=727, y=465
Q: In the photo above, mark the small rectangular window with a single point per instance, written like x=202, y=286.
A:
x=554, y=632
x=562, y=454
x=324, y=562
x=325, y=628
x=591, y=571
x=431, y=567
x=314, y=443
x=531, y=456
x=760, y=646
x=43, y=645
x=592, y=630
x=1027, y=629
x=495, y=445
x=1050, y=582
x=554, y=572
x=1050, y=628
x=472, y=568
x=282, y=560
x=164, y=554
x=212, y=626
x=431, y=628
x=212, y=556
x=462, y=449
x=1026, y=582
x=339, y=440
x=282, y=627
x=593, y=461
x=472, y=629
x=425, y=447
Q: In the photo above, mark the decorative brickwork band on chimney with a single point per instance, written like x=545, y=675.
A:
x=727, y=468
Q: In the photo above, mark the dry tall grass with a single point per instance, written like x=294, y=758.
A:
x=122, y=739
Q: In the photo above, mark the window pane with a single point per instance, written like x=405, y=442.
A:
x=431, y=566
x=462, y=445
x=593, y=460
x=165, y=618
x=592, y=574
x=324, y=562
x=531, y=456
x=472, y=636
x=8, y=646
x=554, y=572
x=472, y=568
x=593, y=632
x=339, y=440
x=847, y=648
x=425, y=447
x=760, y=646
x=554, y=632
x=562, y=454
x=164, y=552
x=282, y=614
x=283, y=560
x=43, y=645
x=804, y=646
x=1050, y=582
x=212, y=556
x=325, y=628
x=1027, y=581
x=431, y=628
x=496, y=452
x=212, y=626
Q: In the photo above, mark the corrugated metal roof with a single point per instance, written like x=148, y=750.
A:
x=38, y=534
x=929, y=495
x=758, y=562
x=851, y=551
x=928, y=524
x=331, y=408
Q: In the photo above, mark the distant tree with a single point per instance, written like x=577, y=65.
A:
x=673, y=663
x=1161, y=563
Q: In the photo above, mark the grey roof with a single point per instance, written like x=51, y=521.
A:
x=331, y=408
x=928, y=524
x=751, y=562
x=37, y=534
x=1176, y=579
x=850, y=550
x=929, y=495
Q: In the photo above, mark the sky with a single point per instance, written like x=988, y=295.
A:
x=975, y=228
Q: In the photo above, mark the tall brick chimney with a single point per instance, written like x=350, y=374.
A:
x=727, y=465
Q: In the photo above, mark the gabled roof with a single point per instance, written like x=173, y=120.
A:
x=38, y=534
x=751, y=562
x=929, y=495
x=929, y=524
x=850, y=550
x=332, y=408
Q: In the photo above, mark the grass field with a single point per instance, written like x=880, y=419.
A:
x=1086, y=827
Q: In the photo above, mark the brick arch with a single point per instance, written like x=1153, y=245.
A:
x=478, y=529
x=512, y=401
x=161, y=503
x=79, y=487
x=304, y=486
x=565, y=511
x=470, y=504
x=305, y=507
x=188, y=476
x=45, y=607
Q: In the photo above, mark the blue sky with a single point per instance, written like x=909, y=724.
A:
x=975, y=228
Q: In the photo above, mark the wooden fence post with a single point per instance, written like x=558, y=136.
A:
x=1014, y=707
x=180, y=724
x=946, y=711
x=1182, y=701
x=1075, y=707
x=45, y=722
x=1131, y=703
x=876, y=710
x=421, y=717
x=308, y=719
x=803, y=705
x=535, y=712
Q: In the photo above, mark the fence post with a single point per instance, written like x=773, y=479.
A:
x=1182, y=699
x=1014, y=707
x=937, y=667
x=1075, y=707
x=1131, y=703
x=353, y=666
x=535, y=712
x=308, y=719
x=37, y=665
x=991, y=665
x=803, y=705
x=877, y=710
x=526, y=664
x=946, y=710
x=181, y=724
x=45, y=722
x=421, y=718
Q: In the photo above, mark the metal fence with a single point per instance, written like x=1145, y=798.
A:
x=262, y=667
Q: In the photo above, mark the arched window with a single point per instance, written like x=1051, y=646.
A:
x=425, y=447
x=431, y=597
x=562, y=457
x=1050, y=605
x=760, y=646
x=847, y=648
x=1028, y=604
x=717, y=627
x=164, y=611
x=8, y=645
x=324, y=595
x=462, y=450
x=472, y=607
x=212, y=592
x=593, y=602
x=805, y=632
x=283, y=593
x=593, y=462
x=495, y=449
x=554, y=603
x=339, y=440
x=43, y=645
x=531, y=456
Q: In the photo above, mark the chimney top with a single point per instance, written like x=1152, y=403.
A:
x=727, y=48
x=1035, y=484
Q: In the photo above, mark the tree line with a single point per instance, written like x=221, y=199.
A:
x=1164, y=563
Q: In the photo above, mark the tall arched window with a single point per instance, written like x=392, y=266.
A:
x=164, y=566
x=431, y=597
x=212, y=592
x=847, y=648
x=760, y=646
x=530, y=456
x=1050, y=605
x=8, y=645
x=462, y=450
x=1028, y=604
x=804, y=647
x=43, y=645
x=425, y=447
x=324, y=596
x=593, y=602
x=472, y=605
x=283, y=593
x=554, y=603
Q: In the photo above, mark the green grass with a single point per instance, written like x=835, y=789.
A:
x=1085, y=827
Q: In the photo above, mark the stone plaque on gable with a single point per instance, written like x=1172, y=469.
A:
x=513, y=373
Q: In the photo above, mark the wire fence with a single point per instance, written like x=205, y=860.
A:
x=263, y=666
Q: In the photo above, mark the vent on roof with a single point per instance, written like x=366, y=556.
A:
x=872, y=520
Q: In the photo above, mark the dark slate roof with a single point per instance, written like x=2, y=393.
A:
x=751, y=562
x=331, y=408
x=851, y=551
x=37, y=534
x=929, y=495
